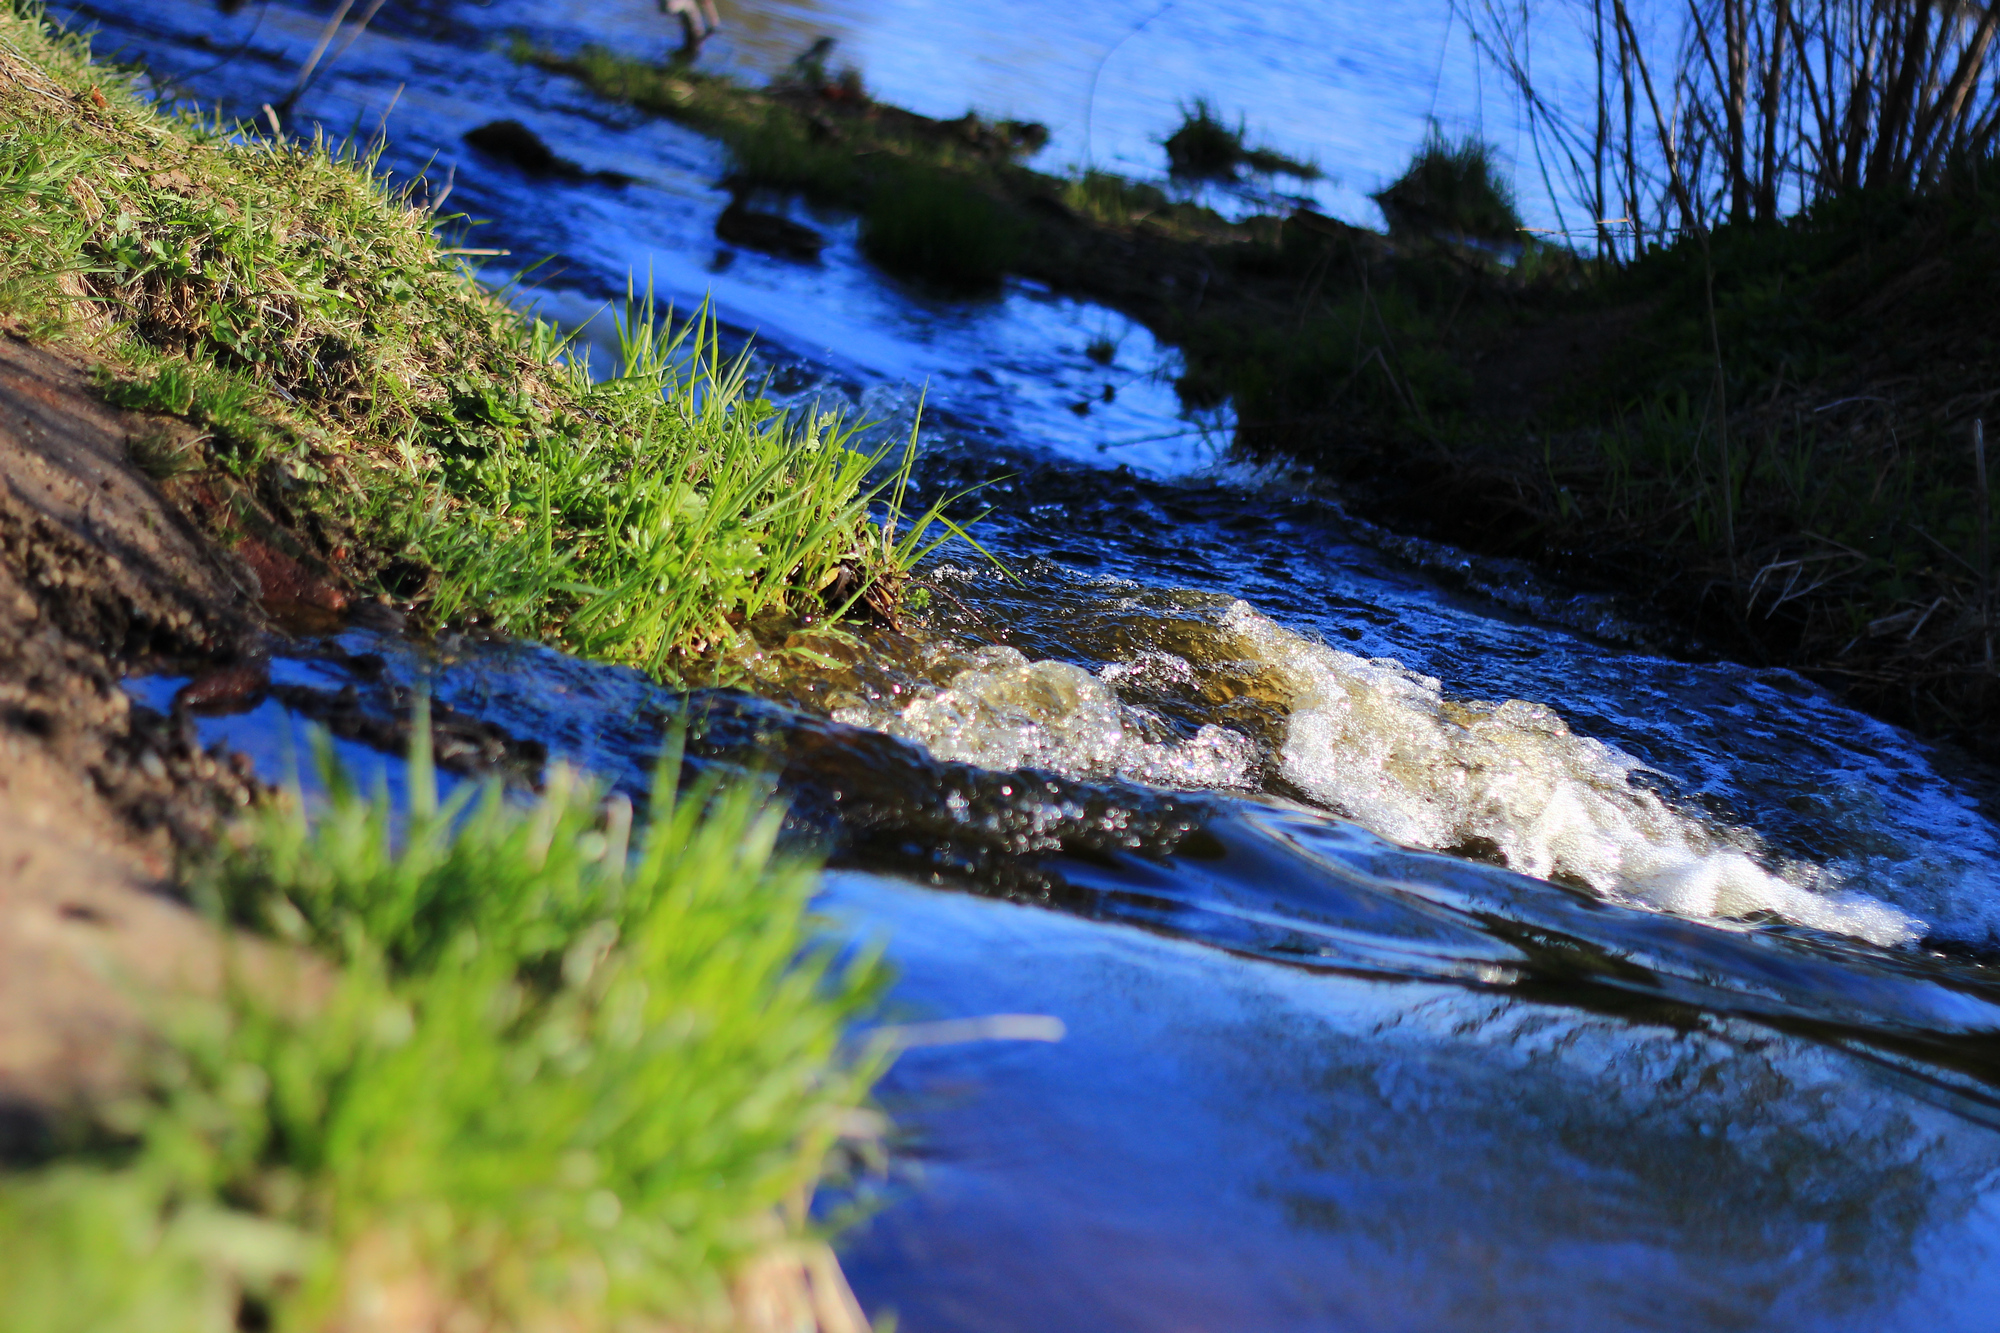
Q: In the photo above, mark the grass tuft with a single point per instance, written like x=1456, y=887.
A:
x=1206, y=148
x=555, y=1078
x=1452, y=189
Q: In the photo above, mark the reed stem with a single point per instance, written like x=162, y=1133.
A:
x=1985, y=539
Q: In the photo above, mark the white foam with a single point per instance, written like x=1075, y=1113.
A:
x=1382, y=744
x=1004, y=711
x=1386, y=747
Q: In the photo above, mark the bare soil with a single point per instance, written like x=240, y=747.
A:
x=99, y=569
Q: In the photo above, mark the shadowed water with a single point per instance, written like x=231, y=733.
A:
x=1435, y=953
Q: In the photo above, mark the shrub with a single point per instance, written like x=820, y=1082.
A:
x=1453, y=189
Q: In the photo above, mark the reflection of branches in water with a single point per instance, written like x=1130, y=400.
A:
x=1485, y=1134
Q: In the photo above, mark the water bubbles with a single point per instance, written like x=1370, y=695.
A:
x=1385, y=746
x=1003, y=711
x=1389, y=748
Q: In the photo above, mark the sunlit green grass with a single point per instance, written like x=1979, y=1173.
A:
x=703, y=509
x=511, y=1064
x=557, y=1068
x=94, y=1249
x=351, y=376
x=1206, y=147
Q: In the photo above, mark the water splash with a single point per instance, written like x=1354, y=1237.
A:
x=1384, y=745
x=1003, y=711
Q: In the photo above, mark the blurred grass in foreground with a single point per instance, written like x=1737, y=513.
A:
x=549, y=1080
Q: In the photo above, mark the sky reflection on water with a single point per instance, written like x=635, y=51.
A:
x=1220, y=1145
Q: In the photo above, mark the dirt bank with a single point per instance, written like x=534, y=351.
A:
x=100, y=569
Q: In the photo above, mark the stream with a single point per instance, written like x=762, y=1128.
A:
x=1434, y=950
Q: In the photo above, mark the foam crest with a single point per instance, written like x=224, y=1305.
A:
x=1004, y=711
x=1382, y=744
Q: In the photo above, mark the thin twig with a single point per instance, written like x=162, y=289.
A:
x=1985, y=531
x=326, y=37
x=1090, y=100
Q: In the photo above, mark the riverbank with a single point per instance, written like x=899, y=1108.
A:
x=246, y=393
x=1771, y=435
x=1814, y=505
x=134, y=1166
x=359, y=401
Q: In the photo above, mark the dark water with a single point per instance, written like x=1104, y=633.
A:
x=1434, y=954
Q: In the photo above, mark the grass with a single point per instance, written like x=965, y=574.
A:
x=538, y=1077
x=92, y=1249
x=1844, y=509
x=948, y=201
x=1371, y=356
x=357, y=387
x=1111, y=199
x=1206, y=147
x=923, y=187
x=552, y=1080
x=708, y=511
x=794, y=136
x=1770, y=435
x=1842, y=540
x=1454, y=189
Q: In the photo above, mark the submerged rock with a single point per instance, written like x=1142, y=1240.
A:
x=771, y=233
x=514, y=143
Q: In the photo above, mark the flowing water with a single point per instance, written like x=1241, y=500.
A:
x=1435, y=952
